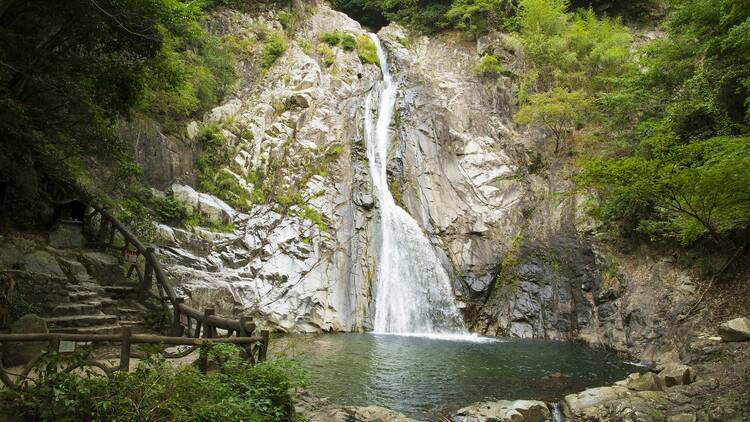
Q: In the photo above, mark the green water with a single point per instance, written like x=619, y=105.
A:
x=425, y=378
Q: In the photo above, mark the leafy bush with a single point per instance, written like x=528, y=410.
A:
x=158, y=390
x=274, y=47
x=488, y=65
x=339, y=39
x=559, y=111
x=367, y=50
x=477, y=17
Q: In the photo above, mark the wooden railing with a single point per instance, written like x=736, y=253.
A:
x=126, y=340
x=186, y=321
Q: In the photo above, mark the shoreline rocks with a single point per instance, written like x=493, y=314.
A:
x=504, y=410
x=737, y=329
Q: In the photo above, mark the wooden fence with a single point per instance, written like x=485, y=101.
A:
x=186, y=320
x=255, y=349
x=190, y=326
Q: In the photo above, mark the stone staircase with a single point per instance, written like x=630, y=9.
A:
x=100, y=298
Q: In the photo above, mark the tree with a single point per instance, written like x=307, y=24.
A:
x=560, y=111
x=477, y=17
x=69, y=74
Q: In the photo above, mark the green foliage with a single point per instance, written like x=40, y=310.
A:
x=327, y=54
x=559, y=111
x=170, y=210
x=506, y=277
x=677, y=169
x=367, y=50
x=684, y=193
x=488, y=65
x=339, y=39
x=163, y=391
x=70, y=76
x=477, y=17
x=274, y=47
x=426, y=16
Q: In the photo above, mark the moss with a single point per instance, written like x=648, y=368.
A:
x=405, y=41
x=395, y=192
x=199, y=220
x=506, y=277
x=488, y=65
x=326, y=53
x=367, y=51
x=339, y=39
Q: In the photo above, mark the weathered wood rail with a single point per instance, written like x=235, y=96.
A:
x=185, y=319
x=126, y=339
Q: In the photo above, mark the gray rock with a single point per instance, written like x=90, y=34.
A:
x=683, y=417
x=43, y=263
x=504, y=410
x=210, y=206
x=677, y=374
x=22, y=352
x=644, y=382
x=737, y=329
x=67, y=235
x=578, y=403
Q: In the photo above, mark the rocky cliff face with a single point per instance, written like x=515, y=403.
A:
x=498, y=207
x=301, y=122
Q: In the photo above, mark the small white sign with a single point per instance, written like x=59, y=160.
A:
x=67, y=346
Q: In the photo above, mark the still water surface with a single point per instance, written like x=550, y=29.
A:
x=424, y=377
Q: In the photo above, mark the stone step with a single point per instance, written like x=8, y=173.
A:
x=94, y=329
x=70, y=309
x=81, y=320
x=131, y=313
x=119, y=292
x=82, y=295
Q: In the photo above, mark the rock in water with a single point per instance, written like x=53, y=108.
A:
x=21, y=353
x=737, y=329
x=505, y=410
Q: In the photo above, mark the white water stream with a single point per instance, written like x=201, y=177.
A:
x=413, y=294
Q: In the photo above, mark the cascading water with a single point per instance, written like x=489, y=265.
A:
x=413, y=293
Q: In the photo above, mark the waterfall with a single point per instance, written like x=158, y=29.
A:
x=413, y=293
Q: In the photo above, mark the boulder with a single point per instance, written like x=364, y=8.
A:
x=737, y=329
x=676, y=374
x=578, y=403
x=644, y=382
x=210, y=206
x=504, y=410
x=67, y=235
x=22, y=353
x=44, y=263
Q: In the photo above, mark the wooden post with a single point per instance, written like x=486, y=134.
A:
x=208, y=332
x=125, y=349
x=148, y=272
x=263, y=347
x=111, y=235
x=177, y=328
x=242, y=331
x=208, y=329
x=102, y=232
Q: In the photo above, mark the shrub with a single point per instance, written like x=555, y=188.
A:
x=327, y=53
x=160, y=390
x=367, y=51
x=339, y=39
x=488, y=65
x=274, y=47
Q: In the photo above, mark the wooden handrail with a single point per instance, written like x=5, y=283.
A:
x=161, y=279
x=134, y=338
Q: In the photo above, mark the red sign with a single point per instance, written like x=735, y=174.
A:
x=131, y=256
